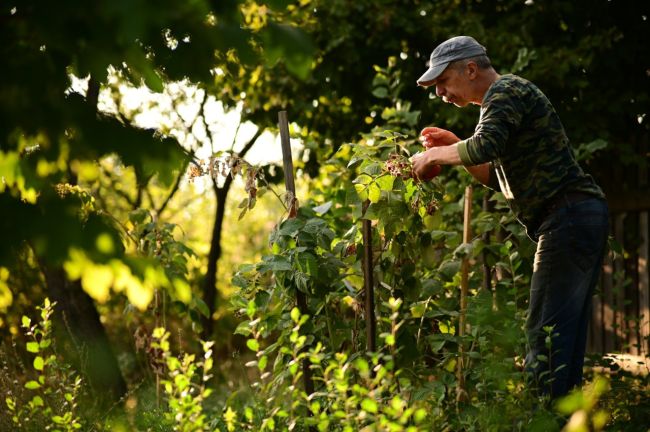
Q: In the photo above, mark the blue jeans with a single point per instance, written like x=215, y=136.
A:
x=570, y=248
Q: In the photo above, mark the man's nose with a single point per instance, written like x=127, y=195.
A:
x=440, y=91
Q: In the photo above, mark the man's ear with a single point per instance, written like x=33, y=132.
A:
x=472, y=70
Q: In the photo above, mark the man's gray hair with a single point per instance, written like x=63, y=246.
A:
x=482, y=61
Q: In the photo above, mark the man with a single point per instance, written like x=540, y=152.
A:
x=520, y=147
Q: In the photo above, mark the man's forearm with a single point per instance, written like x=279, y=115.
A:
x=480, y=172
x=448, y=155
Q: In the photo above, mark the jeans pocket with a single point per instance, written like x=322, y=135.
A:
x=587, y=243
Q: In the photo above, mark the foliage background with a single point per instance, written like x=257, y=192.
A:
x=98, y=214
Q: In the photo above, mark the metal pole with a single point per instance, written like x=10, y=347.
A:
x=292, y=203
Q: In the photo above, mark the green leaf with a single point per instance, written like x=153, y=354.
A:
x=279, y=263
x=363, y=179
x=253, y=345
x=386, y=182
x=308, y=263
x=243, y=328
x=362, y=191
x=262, y=363
x=380, y=92
x=369, y=405
x=295, y=314
x=32, y=347
x=26, y=321
x=323, y=208
x=374, y=193
x=571, y=403
x=372, y=169
x=39, y=363
x=32, y=385
x=201, y=306
x=432, y=389
x=449, y=268
x=418, y=309
x=290, y=45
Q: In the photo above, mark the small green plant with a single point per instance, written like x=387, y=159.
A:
x=49, y=398
x=583, y=408
x=353, y=392
x=185, y=384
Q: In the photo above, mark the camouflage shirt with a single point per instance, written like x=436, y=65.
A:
x=520, y=133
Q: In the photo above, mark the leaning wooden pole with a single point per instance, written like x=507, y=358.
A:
x=461, y=394
x=369, y=284
x=292, y=204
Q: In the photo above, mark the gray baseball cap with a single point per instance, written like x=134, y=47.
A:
x=456, y=48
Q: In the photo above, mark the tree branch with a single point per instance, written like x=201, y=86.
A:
x=251, y=142
x=173, y=190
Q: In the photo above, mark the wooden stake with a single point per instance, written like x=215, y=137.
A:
x=644, y=286
x=461, y=394
x=368, y=283
x=609, y=318
x=487, y=271
x=642, y=264
x=619, y=286
x=292, y=204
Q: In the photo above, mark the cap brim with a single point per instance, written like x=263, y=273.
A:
x=434, y=72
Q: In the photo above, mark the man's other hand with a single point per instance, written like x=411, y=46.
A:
x=437, y=137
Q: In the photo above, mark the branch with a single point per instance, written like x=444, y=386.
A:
x=174, y=189
x=118, y=191
x=251, y=142
x=92, y=93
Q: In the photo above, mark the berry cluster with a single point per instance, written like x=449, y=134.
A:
x=399, y=166
x=431, y=206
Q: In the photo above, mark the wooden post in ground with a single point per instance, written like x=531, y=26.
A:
x=461, y=394
x=292, y=204
x=642, y=264
x=369, y=284
x=487, y=270
x=619, y=286
x=609, y=319
x=644, y=286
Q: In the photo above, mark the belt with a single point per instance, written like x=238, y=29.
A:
x=561, y=200
x=566, y=199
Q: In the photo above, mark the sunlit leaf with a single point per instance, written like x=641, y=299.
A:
x=374, y=193
x=96, y=281
x=253, y=345
x=139, y=293
x=182, y=290
x=323, y=208
x=39, y=363
x=32, y=385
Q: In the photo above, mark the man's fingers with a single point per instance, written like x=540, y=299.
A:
x=429, y=129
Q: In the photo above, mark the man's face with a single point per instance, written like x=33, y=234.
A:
x=453, y=86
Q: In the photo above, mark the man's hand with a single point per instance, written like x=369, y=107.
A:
x=437, y=137
x=423, y=168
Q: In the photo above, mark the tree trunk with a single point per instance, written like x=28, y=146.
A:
x=210, y=286
x=82, y=337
